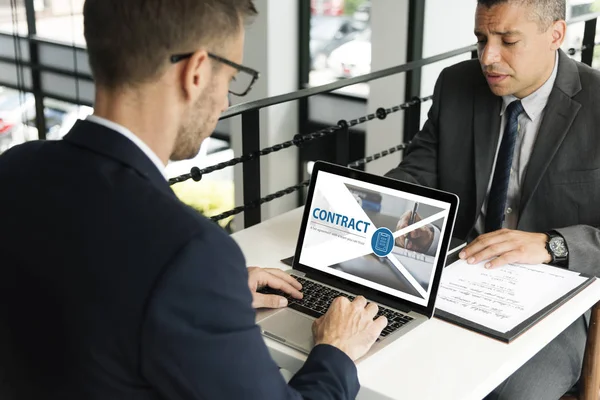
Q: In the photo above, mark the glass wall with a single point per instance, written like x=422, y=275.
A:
x=13, y=19
x=16, y=108
x=61, y=20
x=63, y=84
x=18, y=117
x=439, y=20
x=577, y=8
x=56, y=20
x=340, y=42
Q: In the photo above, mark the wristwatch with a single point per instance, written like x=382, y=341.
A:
x=557, y=248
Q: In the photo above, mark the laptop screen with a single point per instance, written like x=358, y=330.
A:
x=385, y=239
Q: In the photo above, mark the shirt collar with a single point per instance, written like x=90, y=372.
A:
x=131, y=136
x=535, y=103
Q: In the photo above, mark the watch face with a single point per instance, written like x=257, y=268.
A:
x=557, y=245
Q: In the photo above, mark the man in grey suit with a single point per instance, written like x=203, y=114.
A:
x=518, y=143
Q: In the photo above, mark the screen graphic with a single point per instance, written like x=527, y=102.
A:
x=381, y=238
x=382, y=242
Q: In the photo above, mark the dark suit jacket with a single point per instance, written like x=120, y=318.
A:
x=111, y=288
x=561, y=190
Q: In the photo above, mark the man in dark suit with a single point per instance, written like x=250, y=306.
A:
x=110, y=287
x=518, y=144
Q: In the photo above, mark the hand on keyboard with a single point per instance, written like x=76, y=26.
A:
x=285, y=284
x=349, y=326
x=317, y=299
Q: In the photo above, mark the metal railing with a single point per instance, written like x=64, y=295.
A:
x=250, y=115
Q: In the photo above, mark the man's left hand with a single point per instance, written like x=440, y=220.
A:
x=275, y=279
x=509, y=247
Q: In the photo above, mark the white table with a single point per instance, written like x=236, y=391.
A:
x=437, y=360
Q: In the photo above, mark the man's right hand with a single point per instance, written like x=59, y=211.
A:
x=349, y=326
x=419, y=240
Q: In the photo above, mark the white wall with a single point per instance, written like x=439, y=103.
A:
x=272, y=48
x=389, y=23
x=449, y=25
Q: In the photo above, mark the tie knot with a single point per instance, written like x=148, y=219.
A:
x=514, y=109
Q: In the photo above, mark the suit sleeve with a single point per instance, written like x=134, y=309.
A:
x=200, y=339
x=420, y=163
x=583, y=243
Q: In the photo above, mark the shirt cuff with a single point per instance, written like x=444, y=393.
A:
x=436, y=240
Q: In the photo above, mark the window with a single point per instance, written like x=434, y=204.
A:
x=574, y=37
x=13, y=20
x=61, y=116
x=340, y=42
x=60, y=20
x=578, y=8
x=16, y=108
x=18, y=117
x=60, y=24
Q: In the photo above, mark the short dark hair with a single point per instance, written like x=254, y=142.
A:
x=546, y=11
x=129, y=41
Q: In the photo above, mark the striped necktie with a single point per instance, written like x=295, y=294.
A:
x=497, y=198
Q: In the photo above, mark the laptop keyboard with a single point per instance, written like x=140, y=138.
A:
x=317, y=299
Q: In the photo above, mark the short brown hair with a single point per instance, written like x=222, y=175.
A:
x=130, y=41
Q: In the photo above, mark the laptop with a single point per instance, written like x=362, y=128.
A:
x=349, y=244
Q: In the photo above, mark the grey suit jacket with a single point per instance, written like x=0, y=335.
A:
x=561, y=190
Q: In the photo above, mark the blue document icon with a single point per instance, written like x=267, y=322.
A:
x=382, y=242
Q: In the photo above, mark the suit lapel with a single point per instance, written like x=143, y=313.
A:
x=486, y=127
x=559, y=115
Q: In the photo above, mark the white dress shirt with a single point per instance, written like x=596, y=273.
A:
x=529, y=125
x=131, y=136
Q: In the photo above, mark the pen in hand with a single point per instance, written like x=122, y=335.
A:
x=411, y=221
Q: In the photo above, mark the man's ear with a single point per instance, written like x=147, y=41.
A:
x=195, y=74
x=558, y=31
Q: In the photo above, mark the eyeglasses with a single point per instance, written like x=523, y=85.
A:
x=241, y=83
